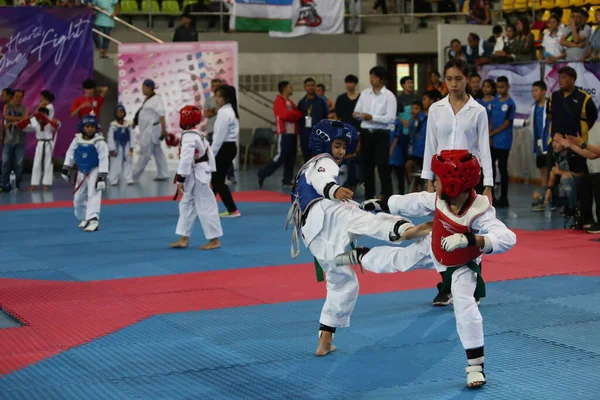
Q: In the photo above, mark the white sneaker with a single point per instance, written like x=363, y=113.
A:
x=82, y=224
x=92, y=226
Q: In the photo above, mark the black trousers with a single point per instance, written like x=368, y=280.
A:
x=400, y=174
x=501, y=156
x=287, y=148
x=226, y=154
x=590, y=190
x=375, y=152
x=304, y=141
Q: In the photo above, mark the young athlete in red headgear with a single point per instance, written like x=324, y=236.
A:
x=196, y=164
x=464, y=228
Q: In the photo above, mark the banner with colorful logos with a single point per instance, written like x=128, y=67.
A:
x=182, y=73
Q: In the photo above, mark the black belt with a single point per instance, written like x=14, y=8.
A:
x=44, y=140
x=204, y=158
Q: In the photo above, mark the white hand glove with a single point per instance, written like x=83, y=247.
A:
x=456, y=241
x=100, y=186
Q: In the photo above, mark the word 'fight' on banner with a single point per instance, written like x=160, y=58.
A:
x=182, y=73
x=45, y=48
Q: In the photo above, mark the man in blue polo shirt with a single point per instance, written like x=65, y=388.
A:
x=314, y=108
x=501, y=136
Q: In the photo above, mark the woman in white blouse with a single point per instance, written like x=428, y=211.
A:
x=224, y=146
x=457, y=122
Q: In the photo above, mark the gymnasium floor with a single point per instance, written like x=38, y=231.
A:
x=118, y=315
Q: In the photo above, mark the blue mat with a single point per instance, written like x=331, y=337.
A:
x=133, y=241
x=398, y=347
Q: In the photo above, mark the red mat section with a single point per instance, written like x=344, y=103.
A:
x=61, y=315
x=256, y=196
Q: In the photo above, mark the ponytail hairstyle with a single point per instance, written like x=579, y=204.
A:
x=230, y=97
x=463, y=67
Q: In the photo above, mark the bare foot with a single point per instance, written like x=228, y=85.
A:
x=33, y=188
x=418, y=231
x=325, y=344
x=45, y=188
x=212, y=244
x=182, y=243
x=476, y=384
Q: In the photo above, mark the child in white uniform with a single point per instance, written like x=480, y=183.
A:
x=44, y=127
x=120, y=147
x=89, y=152
x=464, y=227
x=328, y=221
x=196, y=164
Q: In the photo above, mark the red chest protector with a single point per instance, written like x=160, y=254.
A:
x=446, y=223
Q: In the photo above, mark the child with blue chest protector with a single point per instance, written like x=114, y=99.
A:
x=120, y=147
x=501, y=136
x=89, y=152
x=328, y=221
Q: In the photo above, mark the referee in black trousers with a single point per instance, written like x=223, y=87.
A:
x=376, y=108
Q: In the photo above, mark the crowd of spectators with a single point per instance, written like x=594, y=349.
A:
x=550, y=40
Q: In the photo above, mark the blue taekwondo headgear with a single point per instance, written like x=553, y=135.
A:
x=87, y=120
x=120, y=107
x=326, y=131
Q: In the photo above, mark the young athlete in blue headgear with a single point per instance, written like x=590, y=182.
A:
x=120, y=147
x=328, y=221
x=89, y=152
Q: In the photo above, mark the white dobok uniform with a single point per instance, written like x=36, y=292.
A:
x=196, y=164
x=150, y=144
x=91, y=157
x=480, y=219
x=42, y=161
x=327, y=227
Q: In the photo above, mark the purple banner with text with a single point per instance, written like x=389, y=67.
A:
x=47, y=48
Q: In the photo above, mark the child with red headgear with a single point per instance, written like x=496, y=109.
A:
x=196, y=164
x=464, y=228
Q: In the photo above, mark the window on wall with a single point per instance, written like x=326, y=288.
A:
x=268, y=83
x=406, y=69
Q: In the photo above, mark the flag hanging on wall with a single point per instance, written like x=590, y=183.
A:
x=263, y=15
x=325, y=17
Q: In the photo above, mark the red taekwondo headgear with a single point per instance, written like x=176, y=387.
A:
x=458, y=171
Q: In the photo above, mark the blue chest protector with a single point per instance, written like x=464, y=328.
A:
x=122, y=135
x=303, y=196
x=86, y=155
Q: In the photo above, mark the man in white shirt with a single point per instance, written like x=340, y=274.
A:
x=376, y=108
